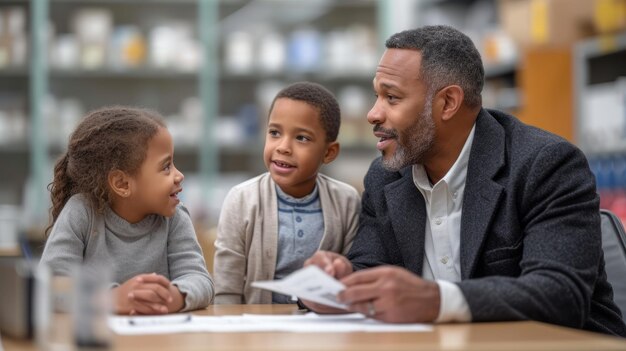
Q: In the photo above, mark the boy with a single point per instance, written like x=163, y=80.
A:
x=270, y=224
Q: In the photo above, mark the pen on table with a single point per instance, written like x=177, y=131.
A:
x=174, y=319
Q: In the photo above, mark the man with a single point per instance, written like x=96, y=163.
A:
x=469, y=215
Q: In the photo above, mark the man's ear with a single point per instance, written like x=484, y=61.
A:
x=449, y=101
x=119, y=182
x=331, y=152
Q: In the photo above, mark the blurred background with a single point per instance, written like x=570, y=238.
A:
x=212, y=68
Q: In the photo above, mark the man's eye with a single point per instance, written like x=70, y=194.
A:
x=273, y=133
x=303, y=138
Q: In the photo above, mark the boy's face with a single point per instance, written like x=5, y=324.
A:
x=296, y=146
x=158, y=182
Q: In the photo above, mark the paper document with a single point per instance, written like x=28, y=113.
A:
x=309, y=283
x=299, y=323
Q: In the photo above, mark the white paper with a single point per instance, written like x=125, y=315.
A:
x=309, y=283
x=305, y=323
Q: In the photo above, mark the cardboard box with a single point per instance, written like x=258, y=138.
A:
x=547, y=22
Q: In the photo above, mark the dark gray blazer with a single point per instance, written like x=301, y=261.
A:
x=530, y=229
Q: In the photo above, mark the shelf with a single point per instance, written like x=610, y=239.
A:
x=14, y=72
x=300, y=4
x=598, y=63
x=174, y=92
x=346, y=77
x=125, y=2
x=143, y=73
x=14, y=148
x=500, y=69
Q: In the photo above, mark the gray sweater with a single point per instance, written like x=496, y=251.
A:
x=166, y=246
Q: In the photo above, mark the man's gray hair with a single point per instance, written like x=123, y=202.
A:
x=449, y=57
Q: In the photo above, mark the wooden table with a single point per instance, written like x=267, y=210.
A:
x=509, y=336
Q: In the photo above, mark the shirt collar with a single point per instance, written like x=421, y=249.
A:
x=297, y=201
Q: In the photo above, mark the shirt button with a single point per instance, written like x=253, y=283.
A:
x=438, y=220
x=300, y=233
x=454, y=195
x=298, y=219
x=444, y=259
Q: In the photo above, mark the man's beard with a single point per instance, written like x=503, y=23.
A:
x=413, y=143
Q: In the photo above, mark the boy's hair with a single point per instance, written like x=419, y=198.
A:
x=321, y=99
x=448, y=57
x=111, y=138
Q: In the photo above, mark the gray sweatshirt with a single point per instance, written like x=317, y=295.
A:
x=166, y=246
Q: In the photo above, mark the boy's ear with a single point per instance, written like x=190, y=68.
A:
x=331, y=152
x=119, y=182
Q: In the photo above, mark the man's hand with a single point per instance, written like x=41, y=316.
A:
x=391, y=294
x=145, y=294
x=334, y=265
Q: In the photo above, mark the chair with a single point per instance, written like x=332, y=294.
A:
x=614, y=247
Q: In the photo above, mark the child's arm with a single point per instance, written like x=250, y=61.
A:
x=229, y=264
x=187, y=268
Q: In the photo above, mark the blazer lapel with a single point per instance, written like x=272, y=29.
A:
x=407, y=211
x=482, y=193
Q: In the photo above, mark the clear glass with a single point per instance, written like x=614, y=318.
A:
x=91, y=307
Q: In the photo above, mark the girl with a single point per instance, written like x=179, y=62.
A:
x=115, y=204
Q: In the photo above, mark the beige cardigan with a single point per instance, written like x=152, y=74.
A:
x=247, y=234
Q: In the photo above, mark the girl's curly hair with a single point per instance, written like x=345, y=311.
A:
x=111, y=138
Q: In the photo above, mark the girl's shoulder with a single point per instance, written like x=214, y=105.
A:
x=181, y=216
x=77, y=216
x=78, y=204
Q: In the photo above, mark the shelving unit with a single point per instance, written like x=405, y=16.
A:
x=221, y=95
x=600, y=105
x=599, y=63
x=14, y=100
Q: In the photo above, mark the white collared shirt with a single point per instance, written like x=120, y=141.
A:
x=442, y=241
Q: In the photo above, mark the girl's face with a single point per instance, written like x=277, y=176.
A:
x=156, y=185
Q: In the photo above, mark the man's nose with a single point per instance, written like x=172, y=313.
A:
x=375, y=114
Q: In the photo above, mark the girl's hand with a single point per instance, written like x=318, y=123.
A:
x=146, y=294
x=178, y=299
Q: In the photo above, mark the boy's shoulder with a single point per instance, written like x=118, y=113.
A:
x=335, y=185
x=262, y=181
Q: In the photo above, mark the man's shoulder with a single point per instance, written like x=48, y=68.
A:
x=520, y=132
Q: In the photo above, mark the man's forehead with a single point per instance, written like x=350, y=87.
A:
x=400, y=62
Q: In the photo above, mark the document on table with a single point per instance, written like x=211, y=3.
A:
x=309, y=283
x=301, y=323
